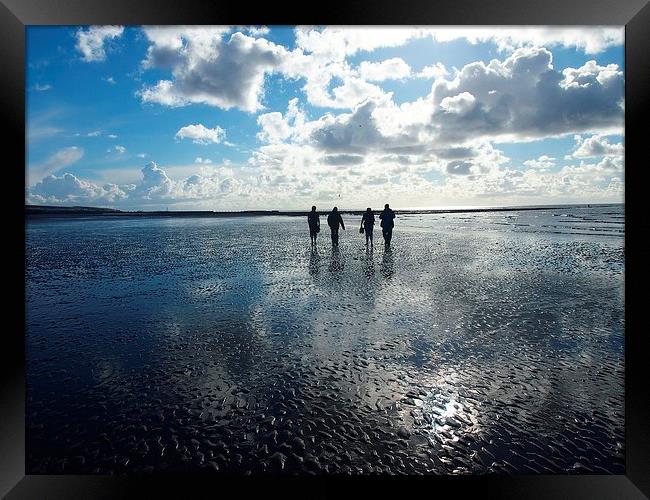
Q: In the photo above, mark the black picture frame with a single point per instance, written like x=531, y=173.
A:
x=15, y=15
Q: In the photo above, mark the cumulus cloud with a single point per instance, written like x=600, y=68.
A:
x=596, y=145
x=340, y=42
x=355, y=132
x=155, y=183
x=389, y=69
x=200, y=134
x=154, y=186
x=70, y=189
x=258, y=30
x=90, y=42
x=396, y=147
x=433, y=71
x=460, y=104
x=208, y=66
x=61, y=159
x=208, y=70
x=523, y=98
x=544, y=162
x=276, y=127
x=211, y=68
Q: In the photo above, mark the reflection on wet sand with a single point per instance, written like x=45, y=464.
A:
x=230, y=353
x=387, y=262
x=314, y=260
x=337, y=262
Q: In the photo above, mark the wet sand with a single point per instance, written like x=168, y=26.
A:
x=479, y=343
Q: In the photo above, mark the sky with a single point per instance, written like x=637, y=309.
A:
x=284, y=117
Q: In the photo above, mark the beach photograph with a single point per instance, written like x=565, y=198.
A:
x=325, y=250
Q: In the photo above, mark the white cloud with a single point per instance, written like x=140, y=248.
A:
x=90, y=42
x=340, y=42
x=70, y=189
x=42, y=88
x=110, y=80
x=544, y=162
x=276, y=128
x=524, y=98
x=61, y=159
x=437, y=147
x=258, y=30
x=201, y=134
x=389, y=69
x=517, y=99
x=460, y=104
x=209, y=70
x=153, y=186
x=433, y=71
x=111, y=136
x=208, y=67
x=596, y=145
x=591, y=74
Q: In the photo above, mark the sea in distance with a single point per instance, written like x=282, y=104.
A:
x=478, y=343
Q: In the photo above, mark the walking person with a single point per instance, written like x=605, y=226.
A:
x=368, y=224
x=313, y=219
x=333, y=221
x=387, y=217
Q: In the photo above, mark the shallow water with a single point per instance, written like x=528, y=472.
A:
x=480, y=343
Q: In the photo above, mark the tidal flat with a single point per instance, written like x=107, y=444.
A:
x=477, y=344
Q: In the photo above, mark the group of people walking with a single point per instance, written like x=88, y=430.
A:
x=334, y=221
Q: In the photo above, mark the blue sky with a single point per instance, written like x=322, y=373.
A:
x=285, y=117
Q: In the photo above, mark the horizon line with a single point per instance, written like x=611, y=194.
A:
x=35, y=209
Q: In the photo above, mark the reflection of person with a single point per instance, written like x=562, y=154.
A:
x=338, y=262
x=368, y=263
x=333, y=221
x=368, y=224
x=387, y=263
x=387, y=217
x=314, y=260
x=313, y=220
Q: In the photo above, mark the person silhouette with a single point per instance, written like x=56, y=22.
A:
x=368, y=224
x=333, y=221
x=313, y=219
x=387, y=217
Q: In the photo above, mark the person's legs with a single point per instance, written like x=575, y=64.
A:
x=384, y=233
x=389, y=235
x=335, y=237
x=369, y=237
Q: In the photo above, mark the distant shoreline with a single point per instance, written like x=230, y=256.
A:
x=39, y=211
